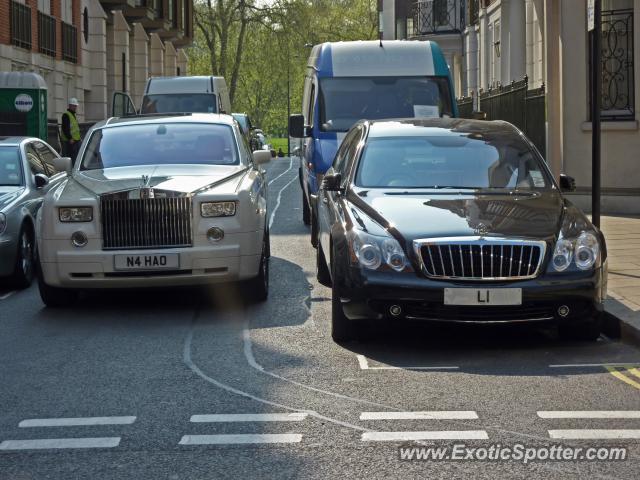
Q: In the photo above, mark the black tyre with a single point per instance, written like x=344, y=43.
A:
x=56, y=297
x=322, y=271
x=588, y=330
x=258, y=287
x=24, y=269
x=342, y=329
x=306, y=210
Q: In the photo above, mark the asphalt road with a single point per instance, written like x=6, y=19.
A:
x=131, y=384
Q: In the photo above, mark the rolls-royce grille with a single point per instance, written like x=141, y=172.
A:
x=483, y=260
x=146, y=222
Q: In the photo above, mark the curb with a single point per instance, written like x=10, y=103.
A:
x=621, y=322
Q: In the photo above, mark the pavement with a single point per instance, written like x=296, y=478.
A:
x=623, y=243
x=199, y=384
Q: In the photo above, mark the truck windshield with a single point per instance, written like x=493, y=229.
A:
x=344, y=101
x=10, y=171
x=160, y=144
x=179, y=103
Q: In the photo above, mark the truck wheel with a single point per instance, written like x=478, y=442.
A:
x=56, y=297
x=306, y=211
x=25, y=259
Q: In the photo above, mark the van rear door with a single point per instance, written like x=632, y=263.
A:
x=122, y=105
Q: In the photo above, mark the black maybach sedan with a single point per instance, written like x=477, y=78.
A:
x=454, y=220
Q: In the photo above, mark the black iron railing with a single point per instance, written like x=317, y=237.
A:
x=69, y=43
x=618, y=96
x=46, y=34
x=438, y=16
x=20, y=25
x=516, y=104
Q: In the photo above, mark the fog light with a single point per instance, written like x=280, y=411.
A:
x=395, y=310
x=563, y=311
x=215, y=234
x=79, y=239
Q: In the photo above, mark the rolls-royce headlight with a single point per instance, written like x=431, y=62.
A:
x=218, y=209
x=3, y=222
x=75, y=214
x=373, y=252
x=562, y=254
x=587, y=250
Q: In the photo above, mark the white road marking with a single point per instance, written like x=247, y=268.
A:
x=60, y=443
x=590, y=414
x=580, y=365
x=290, y=165
x=250, y=417
x=275, y=209
x=238, y=439
x=435, y=415
x=593, y=434
x=429, y=435
x=76, y=422
x=7, y=295
x=364, y=365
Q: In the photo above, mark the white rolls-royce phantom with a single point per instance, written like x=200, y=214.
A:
x=156, y=201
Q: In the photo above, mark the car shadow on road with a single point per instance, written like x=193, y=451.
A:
x=509, y=350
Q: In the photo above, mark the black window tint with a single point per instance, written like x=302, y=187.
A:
x=35, y=164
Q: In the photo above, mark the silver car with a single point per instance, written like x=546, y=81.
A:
x=26, y=173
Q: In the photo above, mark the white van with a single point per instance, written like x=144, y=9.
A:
x=197, y=94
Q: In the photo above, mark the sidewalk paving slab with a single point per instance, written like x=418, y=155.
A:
x=623, y=302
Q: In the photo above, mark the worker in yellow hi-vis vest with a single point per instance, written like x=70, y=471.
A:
x=70, y=133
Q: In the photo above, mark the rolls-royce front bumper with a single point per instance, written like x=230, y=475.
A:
x=238, y=258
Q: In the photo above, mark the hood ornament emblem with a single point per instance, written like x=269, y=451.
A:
x=146, y=191
x=481, y=229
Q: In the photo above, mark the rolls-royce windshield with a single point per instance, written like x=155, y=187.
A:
x=161, y=144
x=452, y=161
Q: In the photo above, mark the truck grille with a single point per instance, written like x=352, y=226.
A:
x=146, y=222
x=480, y=259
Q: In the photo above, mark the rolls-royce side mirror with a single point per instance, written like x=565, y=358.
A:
x=63, y=164
x=567, y=183
x=40, y=180
x=332, y=182
x=297, y=128
x=261, y=156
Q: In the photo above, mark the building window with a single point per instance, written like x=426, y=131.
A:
x=172, y=12
x=618, y=93
x=410, y=31
x=401, y=29
x=85, y=24
x=440, y=13
x=44, y=6
x=67, y=11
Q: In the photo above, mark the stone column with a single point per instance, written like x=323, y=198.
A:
x=156, y=56
x=183, y=62
x=515, y=37
x=139, y=63
x=170, y=60
x=95, y=98
x=118, y=77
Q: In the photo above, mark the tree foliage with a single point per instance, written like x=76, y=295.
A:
x=257, y=45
